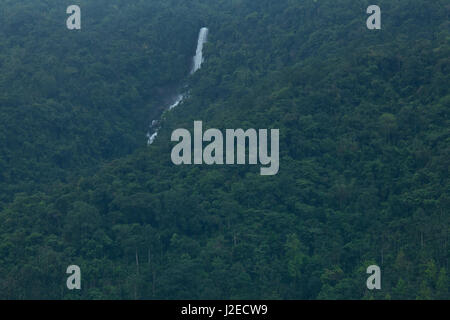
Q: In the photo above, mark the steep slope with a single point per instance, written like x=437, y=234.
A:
x=72, y=99
x=364, y=147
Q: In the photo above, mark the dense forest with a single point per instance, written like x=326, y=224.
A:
x=364, y=150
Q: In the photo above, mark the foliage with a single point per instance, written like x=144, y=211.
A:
x=364, y=141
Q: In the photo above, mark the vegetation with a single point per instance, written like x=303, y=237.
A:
x=364, y=150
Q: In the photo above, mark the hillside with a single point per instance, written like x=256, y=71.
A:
x=364, y=130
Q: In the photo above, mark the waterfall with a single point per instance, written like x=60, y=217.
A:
x=198, y=60
x=177, y=101
x=151, y=137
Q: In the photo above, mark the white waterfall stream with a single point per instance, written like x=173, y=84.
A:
x=198, y=60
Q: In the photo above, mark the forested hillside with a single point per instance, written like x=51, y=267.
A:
x=364, y=150
x=72, y=99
